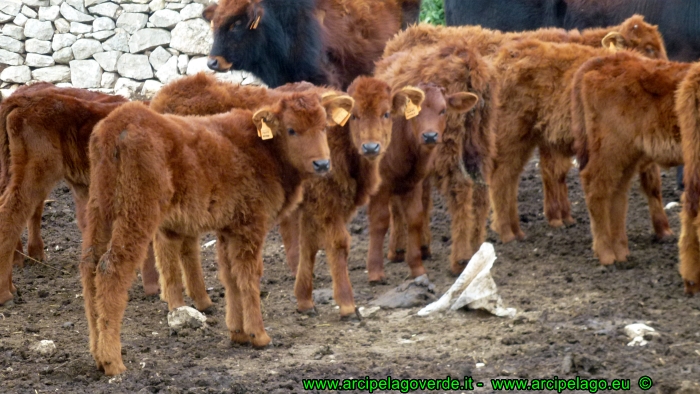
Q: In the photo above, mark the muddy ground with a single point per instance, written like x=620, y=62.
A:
x=571, y=314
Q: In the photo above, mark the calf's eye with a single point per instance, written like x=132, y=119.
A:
x=444, y=111
x=291, y=132
x=353, y=117
x=386, y=115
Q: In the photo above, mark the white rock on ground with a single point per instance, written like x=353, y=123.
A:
x=16, y=74
x=193, y=37
x=62, y=40
x=10, y=7
x=74, y=15
x=36, y=3
x=150, y=88
x=78, y=5
x=165, y=18
x=85, y=73
x=198, y=64
x=134, y=66
x=80, y=28
x=85, y=48
x=146, y=39
x=39, y=30
x=43, y=347
x=103, y=23
x=168, y=71
x=28, y=12
x=108, y=80
x=105, y=9
x=158, y=57
x=53, y=74
x=101, y=35
x=11, y=58
x=37, y=46
x=156, y=5
x=108, y=60
x=174, y=6
x=13, y=31
x=49, y=13
x=89, y=3
x=11, y=44
x=34, y=60
x=20, y=20
x=119, y=42
x=55, y=2
x=127, y=87
x=191, y=11
x=63, y=55
x=5, y=18
x=135, y=7
x=186, y=317
x=5, y=93
x=182, y=61
x=62, y=25
x=132, y=22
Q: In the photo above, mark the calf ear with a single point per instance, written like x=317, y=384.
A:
x=338, y=108
x=614, y=41
x=408, y=99
x=266, y=122
x=461, y=102
x=208, y=12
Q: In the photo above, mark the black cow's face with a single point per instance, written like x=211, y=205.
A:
x=237, y=33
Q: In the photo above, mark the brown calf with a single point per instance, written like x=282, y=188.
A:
x=44, y=134
x=408, y=161
x=173, y=177
x=623, y=119
x=462, y=162
x=330, y=202
x=536, y=80
x=687, y=99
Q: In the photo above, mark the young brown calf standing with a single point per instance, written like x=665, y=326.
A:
x=44, y=134
x=233, y=173
x=407, y=163
x=688, y=111
x=330, y=202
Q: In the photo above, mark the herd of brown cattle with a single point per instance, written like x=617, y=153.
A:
x=460, y=108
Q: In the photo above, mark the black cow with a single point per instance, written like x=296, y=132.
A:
x=505, y=15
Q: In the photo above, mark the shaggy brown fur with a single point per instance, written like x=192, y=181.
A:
x=536, y=80
x=623, y=119
x=330, y=202
x=408, y=161
x=44, y=134
x=180, y=176
x=463, y=161
x=634, y=33
x=688, y=112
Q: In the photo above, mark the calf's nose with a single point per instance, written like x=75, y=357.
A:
x=322, y=166
x=430, y=137
x=371, y=148
x=213, y=63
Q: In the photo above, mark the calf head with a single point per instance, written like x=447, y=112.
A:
x=429, y=125
x=371, y=119
x=637, y=35
x=298, y=122
x=277, y=40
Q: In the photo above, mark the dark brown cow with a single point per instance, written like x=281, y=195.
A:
x=623, y=119
x=173, y=177
x=44, y=134
x=408, y=161
x=325, y=42
x=688, y=111
x=463, y=161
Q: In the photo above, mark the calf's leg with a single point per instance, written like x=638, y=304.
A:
x=650, y=181
x=338, y=249
x=289, y=229
x=554, y=167
x=689, y=246
x=412, y=205
x=379, y=217
x=167, y=248
x=193, y=274
x=397, y=233
x=234, y=307
x=308, y=248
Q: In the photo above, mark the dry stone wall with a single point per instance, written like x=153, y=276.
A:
x=131, y=47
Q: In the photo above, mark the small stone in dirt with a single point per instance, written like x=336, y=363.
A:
x=412, y=293
x=688, y=387
x=68, y=325
x=44, y=347
x=43, y=293
x=31, y=329
x=367, y=312
x=323, y=296
x=186, y=317
x=567, y=365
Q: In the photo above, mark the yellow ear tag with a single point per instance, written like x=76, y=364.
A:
x=412, y=110
x=211, y=25
x=265, y=132
x=255, y=26
x=340, y=116
x=612, y=46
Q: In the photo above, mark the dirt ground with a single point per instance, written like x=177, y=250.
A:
x=571, y=314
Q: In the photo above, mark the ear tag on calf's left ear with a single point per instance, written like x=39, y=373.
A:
x=340, y=116
x=254, y=26
x=412, y=110
x=265, y=132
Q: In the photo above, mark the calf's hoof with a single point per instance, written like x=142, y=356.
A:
x=556, y=223
x=352, y=316
x=418, y=271
x=112, y=368
x=691, y=287
x=18, y=260
x=569, y=221
x=457, y=268
x=239, y=337
x=606, y=258
x=509, y=237
x=36, y=253
x=260, y=340
x=308, y=311
x=663, y=234
x=397, y=255
x=425, y=252
x=204, y=305
x=6, y=298
x=151, y=288
x=375, y=280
